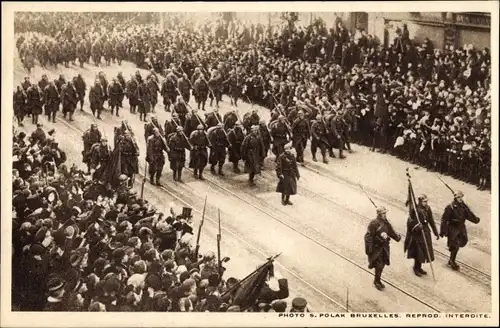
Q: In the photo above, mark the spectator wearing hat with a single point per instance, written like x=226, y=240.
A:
x=299, y=304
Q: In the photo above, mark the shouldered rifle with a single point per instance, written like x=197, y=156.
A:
x=183, y=134
x=197, y=249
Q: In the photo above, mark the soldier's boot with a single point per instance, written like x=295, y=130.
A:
x=140, y=117
x=330, y=153
x=200, y=175
x=117, y=109
x=452, y=262
x=158, y=176
x=220, y=170
x=341, y=155
x=283, y=199
x=417, y=267
x=251, y=176
x=152, y=178
x=195, y=172
x=325, y=160
x=287, y=200
x=314, y=157
x=64, y=115
x=99, y=114
x=378, y=275
x=179, y=176
x=175, y=175
x=236, y=169
x=54, y=117
x=212, y=169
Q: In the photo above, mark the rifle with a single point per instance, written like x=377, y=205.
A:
x=132, y=137
x=447, y=186
x=199, y=230
x=371, y=200
x=218, y=250
x=183, y=134
x=412, y=196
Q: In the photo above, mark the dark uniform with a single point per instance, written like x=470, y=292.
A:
x=280, y=133
x=96, y=98
x=215, y=87
x=105, y=84
x=168, y=90
x=265, y=136
x=377, y=247
x=301, y=132
x=453, y=226
x=184, y=88
x=181, y=110
x=123, y=83
x=156, y=145
x=234, y=88
x=100, y=156
x=213, y=119
x=230, y=119
x=144, y=101
x=51, y=100
x=253, y=152
x=219, y=142
x=250, y=119
x=198, y=158
x=319, y=139
x=80, y=87
x=115, y=92
x=19, y=99
x=91, y=137
x=178, y=144
x=201, y=92
x=150, y=126
x=153, y=89
x=132, y=94
x=130, y=153
x=418, y=242
x=336, y=128
x=69, y=99
x=236, y=137
x=288, y=174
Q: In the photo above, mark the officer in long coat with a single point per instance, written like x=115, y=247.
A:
x=178, y=144
x=301, y=132
x=219, y=142
x=69, y=99
x=144, y=101
x=418, y=242
x=377, y=244
x=19, y=105
x=80, y=87
x=115, y=92
x=156, y=145
x=132, y=94
x=253, y=152
x=236, y=136
x=96, y=98
x=198, y=158
x=153, y=89
x=51, y=100
x=319, y=138
x=288, y=174
x=453, y=226
x=280, y=134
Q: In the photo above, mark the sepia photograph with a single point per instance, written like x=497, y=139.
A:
x=325, y=166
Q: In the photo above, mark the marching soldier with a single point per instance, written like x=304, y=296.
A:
x=418, y=242
x=234, y=87
x=215, y=87
x=34, y=104
x=253, y=152
x=153, y=89
x=144, y=101
x=115, y=92
x=213, y=118
x=199, y=153
x=181, y=110
x=168, y=90
x=130, y=154
x=26, y=83
x=156, y=145
x=96, y=98
x=236, y=137
x=230, y=119
x=319, y=138
x=19, y=105
x=301, y=132
x=288, y=174
x=132, y=94
x=201, y=91
x=100, y=156
x=104, y=83
x=250, y=119
x=280, y=134
x=150, y=126
x=44, y=82
x=377, y=244
x=119, y=131
x=171, y=126
x=335, y=133
x=51, y=100
x=266, y=138
x=69, y=99
x=178, y=144
x=81, y=53
x=91, y=137
x=80, y=87
x=453, y=226
x=192, y=122
x=123, y=83
x=184, y=87
x=218, y=141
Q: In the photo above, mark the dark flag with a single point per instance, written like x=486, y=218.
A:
x=110, y=173
x=248, y=290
